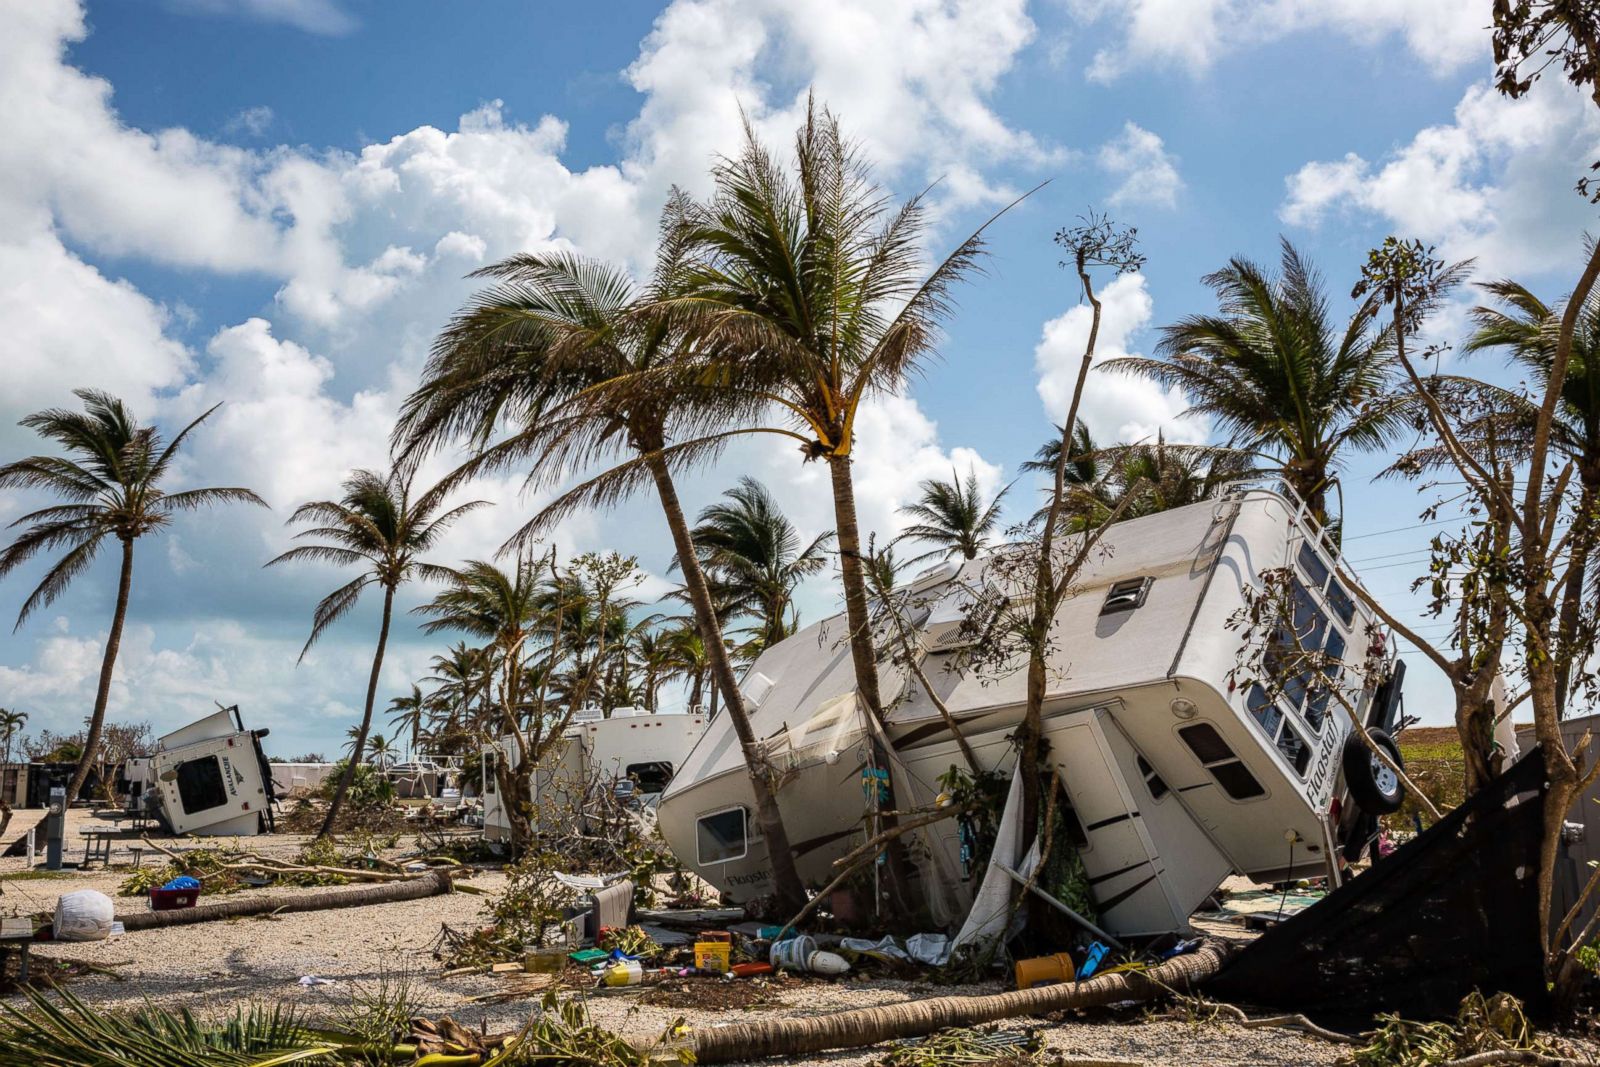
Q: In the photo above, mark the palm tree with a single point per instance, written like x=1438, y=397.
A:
x=652, y=655
x=809, y=294
x=381, y=527
x=952, y=516
x=688, y=659
x=752, y=552
x=1279, y=379
x=534, y=354
x=1527, y=330
x=460, y=677
x=110, y=480
x=380, y=751
x=11, y=722
x=407, y=713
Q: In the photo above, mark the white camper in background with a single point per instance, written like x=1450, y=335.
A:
x=634, y=748
x=210, y=779
x=1176, y=776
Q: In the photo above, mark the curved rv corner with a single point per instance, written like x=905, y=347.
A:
x=1171, y=773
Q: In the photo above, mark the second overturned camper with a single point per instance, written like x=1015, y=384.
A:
x=1176, y=776
x=634, y=746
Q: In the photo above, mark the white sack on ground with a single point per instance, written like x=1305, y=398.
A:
x=84, y=915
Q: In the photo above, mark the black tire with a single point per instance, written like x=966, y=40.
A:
x=1373, y=786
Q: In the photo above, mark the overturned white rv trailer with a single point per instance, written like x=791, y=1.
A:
x=633, y=746
x=1176, y=777
x=210, y=779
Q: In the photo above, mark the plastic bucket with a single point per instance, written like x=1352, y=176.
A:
x=713, y=955
x=1044, y=969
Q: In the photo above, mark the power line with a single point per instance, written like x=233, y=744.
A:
x=1403, y=529
x=1391, y=555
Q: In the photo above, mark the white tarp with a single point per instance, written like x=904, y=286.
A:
x=991, y=904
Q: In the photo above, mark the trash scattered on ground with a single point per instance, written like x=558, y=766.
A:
x=310, y=980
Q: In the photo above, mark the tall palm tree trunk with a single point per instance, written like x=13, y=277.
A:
x=791, y=895
x=855, y=583
x=97, y=721
x=865, y=660
x=366, y=719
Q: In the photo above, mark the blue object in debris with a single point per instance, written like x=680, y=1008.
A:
x=183, y=881
x=1092, y=960
x=1181, y=948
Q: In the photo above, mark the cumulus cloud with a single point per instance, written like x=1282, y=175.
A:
x=361, y=255
x=63, y=318
x=1117, y=407
x=1193, y=35
x=1480, y=186
x=1148, y=172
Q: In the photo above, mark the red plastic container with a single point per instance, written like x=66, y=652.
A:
x=172, y=899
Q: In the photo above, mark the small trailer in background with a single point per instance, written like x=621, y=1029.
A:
x=210, y=779
x=635, y=750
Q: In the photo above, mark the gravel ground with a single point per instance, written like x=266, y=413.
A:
x=221, y=964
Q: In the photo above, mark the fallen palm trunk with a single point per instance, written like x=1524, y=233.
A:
x=428, y=885
x=869, y=1026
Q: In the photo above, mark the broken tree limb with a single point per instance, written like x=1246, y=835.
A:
x=434, y=883
x=869, y=1026
x=866, y=852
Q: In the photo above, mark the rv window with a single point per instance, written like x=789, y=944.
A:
x=1220, y=762
x=652, y=777
x=1311, y=565
x=1340, y=602
x=200, y=784
x=1296, y=751
x=1126, y=595
x=1264, y=709
x=722, y=836
x=491, y=776
x=1316, y=711
x=1237, y=781
x=1206, y=744
x=1152, y=780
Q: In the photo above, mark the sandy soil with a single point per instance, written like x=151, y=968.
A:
x=221, y=964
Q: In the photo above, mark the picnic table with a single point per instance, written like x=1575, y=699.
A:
x=97, y=844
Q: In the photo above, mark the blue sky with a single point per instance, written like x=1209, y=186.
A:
x=271, y=203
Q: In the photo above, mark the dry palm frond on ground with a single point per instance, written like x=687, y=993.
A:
x=64, y=1031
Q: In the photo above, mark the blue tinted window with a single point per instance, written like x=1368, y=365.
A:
x=1311, y=565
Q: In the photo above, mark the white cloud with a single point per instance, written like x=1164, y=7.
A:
x=251, y=122
x=313, y=16
x=1493, y=184
x=365, y=251
x=63, y=320
x=1148, y=172
x=1117, y=407
x=1195, y=35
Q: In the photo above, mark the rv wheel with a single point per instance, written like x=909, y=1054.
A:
x=1372, y=784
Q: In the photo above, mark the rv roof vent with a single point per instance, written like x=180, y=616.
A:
x=590, y=714
x=1126, y=595
x=756, y=687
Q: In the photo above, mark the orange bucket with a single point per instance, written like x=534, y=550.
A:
x=1044, y=969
